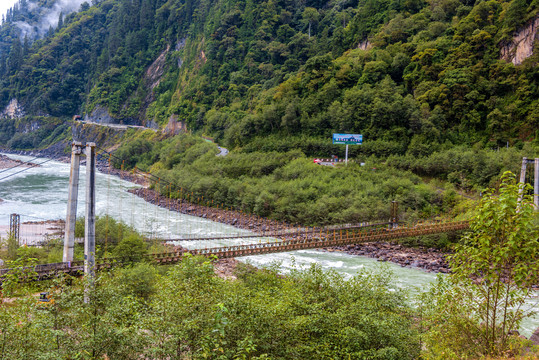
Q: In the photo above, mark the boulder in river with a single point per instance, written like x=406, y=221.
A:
x=535, y=337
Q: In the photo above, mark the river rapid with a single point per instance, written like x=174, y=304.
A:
x=40, y=193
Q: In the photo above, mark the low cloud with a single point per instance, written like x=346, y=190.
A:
x=48, y=17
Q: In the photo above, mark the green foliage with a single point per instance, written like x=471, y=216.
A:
x=22, y=270
x=131, y=249
x=472, y=313
x=139, y=280
x=268, y=79
x=430, y=71
x=33, y=132
x=109, y=232
x=287, y=186
x=294, y=317
x=466, y=168
x=191, y=313
x=12, y=244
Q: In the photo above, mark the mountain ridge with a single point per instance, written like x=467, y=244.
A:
x=427, y=71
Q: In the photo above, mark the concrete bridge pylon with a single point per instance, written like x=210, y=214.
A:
x=535, y=162
x=78, y=149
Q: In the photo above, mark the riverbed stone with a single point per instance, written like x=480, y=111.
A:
x=535, y=337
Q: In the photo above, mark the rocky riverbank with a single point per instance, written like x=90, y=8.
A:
x=224, y=216
x=431, y=260
x=224, y=268
x=427, y=259
x=106, y=168
x=6, y=162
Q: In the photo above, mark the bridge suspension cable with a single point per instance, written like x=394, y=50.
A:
x=29, y=162
x=23, y=170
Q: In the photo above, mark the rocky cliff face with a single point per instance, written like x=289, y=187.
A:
x=522, y=45
x=175, y=127
x=100, y=115
x=13, y=110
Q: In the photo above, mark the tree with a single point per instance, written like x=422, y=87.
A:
x=310, y=15
x=84, y=6
x=60, y=21
x=14, y=60
x=131, y=249
x=493, y=270
x=22, y=269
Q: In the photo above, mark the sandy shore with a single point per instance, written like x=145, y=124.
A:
x=33, y=233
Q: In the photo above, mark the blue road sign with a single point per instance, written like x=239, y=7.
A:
x=348, y=139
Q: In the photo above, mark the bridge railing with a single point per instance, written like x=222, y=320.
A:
x=310, y=240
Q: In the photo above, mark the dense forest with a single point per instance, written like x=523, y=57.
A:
x=436, y=87
x=413, y=74
x=444, y=92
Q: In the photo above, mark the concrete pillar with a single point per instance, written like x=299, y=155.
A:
x=536, y=185
x=89, y=229
x=394, y=214
x=15, y=228
x=523, y=170
x=522, y=178
x=71, y=218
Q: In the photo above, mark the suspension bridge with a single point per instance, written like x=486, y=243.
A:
x=312, y=238
x=257, y=235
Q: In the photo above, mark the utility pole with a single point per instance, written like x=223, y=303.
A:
x=522, y=177
x=89, y=228
x=536, y=185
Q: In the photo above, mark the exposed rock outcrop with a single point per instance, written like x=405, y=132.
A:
x=153, y=74
x=152, y=78
x=179, y=46
x=13, y=110
x=364, y=45
x=521, y=47
x=100, y=115
x=174, y=127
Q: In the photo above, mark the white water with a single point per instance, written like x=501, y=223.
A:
x=41, y=194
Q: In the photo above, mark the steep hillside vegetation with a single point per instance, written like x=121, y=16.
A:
x=432, y=85
x=410, y=73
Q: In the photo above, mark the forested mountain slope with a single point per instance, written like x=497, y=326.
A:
x=410, y=75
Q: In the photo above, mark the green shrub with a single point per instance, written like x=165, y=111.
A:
x=131, y=249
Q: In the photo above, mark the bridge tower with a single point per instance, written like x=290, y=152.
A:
x=77, y=149
x=15, y=227
x=394, y=214
x=525, y=162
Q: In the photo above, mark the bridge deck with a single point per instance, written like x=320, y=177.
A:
x=299, y=241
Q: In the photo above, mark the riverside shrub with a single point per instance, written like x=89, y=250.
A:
x=192, y=313
x=473, y=312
